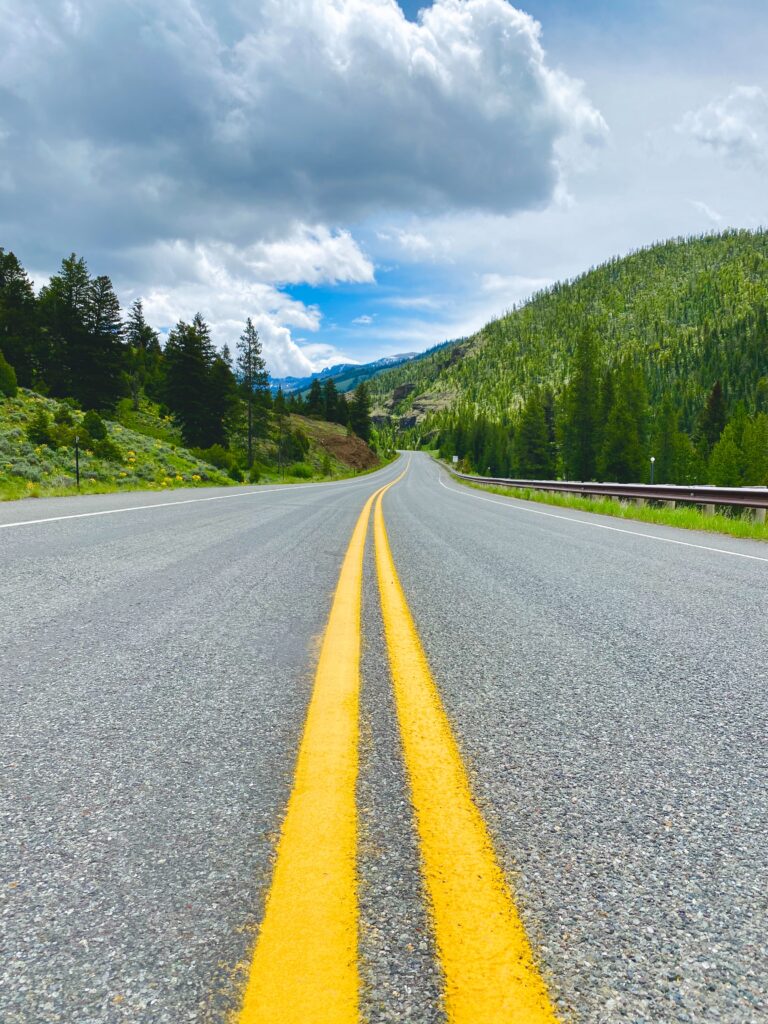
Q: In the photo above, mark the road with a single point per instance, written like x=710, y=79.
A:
x=605, y=683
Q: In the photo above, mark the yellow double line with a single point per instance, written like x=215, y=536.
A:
x=305, y=966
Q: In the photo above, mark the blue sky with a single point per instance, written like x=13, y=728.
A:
x=362, y=184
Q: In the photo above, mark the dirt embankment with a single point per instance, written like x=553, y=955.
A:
x=349, y=449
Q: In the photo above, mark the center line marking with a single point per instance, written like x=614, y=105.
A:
x=304, y=967
x=490, y=973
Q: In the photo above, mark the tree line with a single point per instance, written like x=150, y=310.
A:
x=71, y=340
x=601, y=426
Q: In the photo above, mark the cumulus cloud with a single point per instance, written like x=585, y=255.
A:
x=735, y=126
x=216, y=279
x=195, y=117
x=203, y=124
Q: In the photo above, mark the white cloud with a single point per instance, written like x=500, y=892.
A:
x=426, y=302
x=316, y=111
x=363, y=320
x=216, y=279
x=709, y=213
x=208, y=152
x=310, y=256
x=735, y=126
x=514, y=287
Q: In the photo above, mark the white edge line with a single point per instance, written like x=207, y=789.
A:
x=284, y=488
x=512, y=503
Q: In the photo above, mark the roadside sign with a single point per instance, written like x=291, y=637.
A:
x=455, y=458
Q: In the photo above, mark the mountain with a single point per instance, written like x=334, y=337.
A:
x=346, y=376
x=687, y=319
x=688, y=311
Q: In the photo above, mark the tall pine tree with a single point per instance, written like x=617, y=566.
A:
x=580, y=422
x=254, y=384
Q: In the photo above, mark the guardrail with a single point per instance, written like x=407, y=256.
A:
x=755, y=498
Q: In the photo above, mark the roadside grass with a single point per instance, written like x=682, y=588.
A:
x=739, y=524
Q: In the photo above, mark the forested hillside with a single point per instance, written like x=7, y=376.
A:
x=69, y=350
x=663, y=352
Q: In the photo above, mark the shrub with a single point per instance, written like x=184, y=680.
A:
x=63, y=416
x=105, y=448
x=217, y=455
x=64, y=436
x=294, y=445
x=327, y=468
x=235, y=473
x=254, y=474
x=94, y=425
x=8, y=387
x=300, y=470
x=40, y=431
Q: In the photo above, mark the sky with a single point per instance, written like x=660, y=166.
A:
x=364, y=178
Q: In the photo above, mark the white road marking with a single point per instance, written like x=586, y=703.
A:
x=285, y=488
x=508, y=503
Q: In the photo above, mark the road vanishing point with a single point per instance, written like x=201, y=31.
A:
x=378, y=750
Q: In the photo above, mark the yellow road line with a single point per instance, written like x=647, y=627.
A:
x=304, y=967
x=490, y=973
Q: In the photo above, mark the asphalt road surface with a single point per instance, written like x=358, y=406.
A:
x=606, y=685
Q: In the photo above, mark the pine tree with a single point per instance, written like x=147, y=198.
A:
x=64, y=308
x=222, y=400
x=713, y=417
x=189, y=361
x=726, y=463
x=755, y=451
x=330, y=401
x=360, y=412
x=314, y=403
x=97, y=368
x=623, y=456
x=8, y=386
x=144, y=354
x=20, y=338
x=342, y=410
x=533, y=449
x=666, y=445
x=254, y=383
x=580, y=424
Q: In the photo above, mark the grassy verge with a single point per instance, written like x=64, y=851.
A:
x=741, y=524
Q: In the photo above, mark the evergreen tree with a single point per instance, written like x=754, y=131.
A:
x=8, y=385
x=713, y=417
x=144, y=354
x=342, y=410
x=254, y=383
x=330, y=401
x=64, y=311
x=726, y=463
x=623, y=457
x=189, y=360
x=754, y=448
x=580, y=423
x=533, y=449
x=97, y=367
x=666, y=445
x=222, y=400
x=360, y=412
x=314, y=403
x=19, y=333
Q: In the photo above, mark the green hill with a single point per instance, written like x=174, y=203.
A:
x=687, y=315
